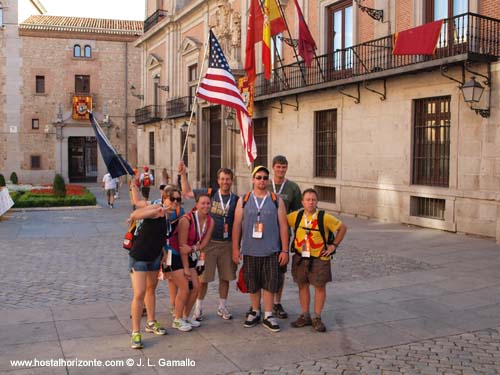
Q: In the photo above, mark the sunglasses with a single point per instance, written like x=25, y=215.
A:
x=173, y=199
x=265, y=178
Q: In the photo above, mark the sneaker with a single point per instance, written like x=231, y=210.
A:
x=271, y=324
x=193, y=322
x=135, y=341
x=224, y=313
x=252, y=319
x=318, y=325
x=198, y=314
x=279, y=312
x=181, y=325
x=302, y=321
x=111, y=205
x=172, y=311
x=156, y=328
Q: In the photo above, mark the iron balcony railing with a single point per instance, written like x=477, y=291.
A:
x=179, y=107
x=148, y=114
x=469, y=35
x=154, y=19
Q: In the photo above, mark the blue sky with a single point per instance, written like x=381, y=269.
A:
x=117, y=9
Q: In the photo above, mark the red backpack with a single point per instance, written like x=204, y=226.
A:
x=146, y=182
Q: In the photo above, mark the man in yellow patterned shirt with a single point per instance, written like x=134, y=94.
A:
x=311, y=261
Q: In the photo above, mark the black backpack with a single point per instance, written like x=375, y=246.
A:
x=321, y=228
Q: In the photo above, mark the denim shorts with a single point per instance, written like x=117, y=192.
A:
x=143, y=266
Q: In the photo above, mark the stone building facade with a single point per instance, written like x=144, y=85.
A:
x=64, y=65
x=380, y=136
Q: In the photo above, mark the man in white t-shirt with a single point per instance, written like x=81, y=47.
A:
x=109, y=184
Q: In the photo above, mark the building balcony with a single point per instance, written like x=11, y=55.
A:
x=467, y=37
x=148, y=114
x=154, y=19
x=179, y=107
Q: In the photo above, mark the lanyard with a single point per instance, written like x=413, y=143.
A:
x=307, y=223
x=259, y=207
x=281, y=188
x=225, y=208
x=201, y=232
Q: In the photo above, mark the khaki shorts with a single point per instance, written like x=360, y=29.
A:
x=218, y=254
x=318, y=275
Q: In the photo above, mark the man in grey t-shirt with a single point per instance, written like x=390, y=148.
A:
x=261, y=225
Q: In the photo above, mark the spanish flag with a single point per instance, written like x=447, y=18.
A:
x=421, y=40
x=273, y=24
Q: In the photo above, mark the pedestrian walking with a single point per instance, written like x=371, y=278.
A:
x=147, y=180
x=109, y=185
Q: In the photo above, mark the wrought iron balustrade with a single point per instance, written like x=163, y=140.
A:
x=469, y=36
x=179, y=107
x=154, y=19
x=148, y=114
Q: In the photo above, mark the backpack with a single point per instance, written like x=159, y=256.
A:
x=321, y=229
x=274, y=197
x=146, y=182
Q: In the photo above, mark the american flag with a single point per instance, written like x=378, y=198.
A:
x=218, y=86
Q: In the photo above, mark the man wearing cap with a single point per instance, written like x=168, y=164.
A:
x=147, y=181
x=260, y=223
x=289, y=191
x=219, y=251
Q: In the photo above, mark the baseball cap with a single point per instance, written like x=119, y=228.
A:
x=259, y=168
x=146, y=169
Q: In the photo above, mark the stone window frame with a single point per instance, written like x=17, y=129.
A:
x=40, y=84
x=326, y=143
x=35, y=162
x=76, y=48
x=1, y=15
x=35, y=123
x=85, y=49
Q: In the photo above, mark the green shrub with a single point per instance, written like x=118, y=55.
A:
x=15, y=195
x=2, y=180
x=59, y=186
x=42, y=200
x=13, y=178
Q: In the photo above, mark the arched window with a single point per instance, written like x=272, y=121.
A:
x=1, y=14
x=77, y=50
x=87, y=51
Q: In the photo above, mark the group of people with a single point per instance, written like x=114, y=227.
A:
x=221, y=231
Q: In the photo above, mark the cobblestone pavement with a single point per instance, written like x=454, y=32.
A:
x=404, y=300
x=469, y=353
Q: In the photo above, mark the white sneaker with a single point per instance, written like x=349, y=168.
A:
x=193, y=322
x=224, y=313
x=181, y=325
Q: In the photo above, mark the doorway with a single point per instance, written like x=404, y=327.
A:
x=82, y=159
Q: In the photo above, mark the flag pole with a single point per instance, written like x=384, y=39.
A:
x=195, y=102
x=291, y=39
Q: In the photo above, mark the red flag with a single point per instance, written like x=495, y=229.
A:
x=420, y=40
x=254, y=35
x=307, y=45
x=218, y=86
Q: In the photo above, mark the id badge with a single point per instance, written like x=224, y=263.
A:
x=194, y=256
x=169, y=257
x=200, y=262
x=258, y=230
x=306, y=250
x=226, y=231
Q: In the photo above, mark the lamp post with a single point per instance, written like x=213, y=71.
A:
x=230, y=122
x=134, y=94
x=156, y=80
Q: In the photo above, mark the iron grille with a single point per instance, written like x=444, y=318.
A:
x=260, y=136
x=325, y=144
x=326, y=193
x=151, y=147
x=432, y=208
x=431, y=141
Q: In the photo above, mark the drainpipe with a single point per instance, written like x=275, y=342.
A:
x=126, y=101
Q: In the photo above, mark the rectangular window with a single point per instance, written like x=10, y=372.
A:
x=431, y=141
x=260, y=136
x=40, y=84
x=326, y=193
x=427, y=207
x=325, y=143
x=82, y=84
x=151, y=147
x=192, y=83
x=35, y=161
x=35, y=123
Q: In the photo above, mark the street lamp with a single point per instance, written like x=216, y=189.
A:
x=156, y=80
x=230, y=122
x=134, y=94
x=184, y=129
x=472, y=91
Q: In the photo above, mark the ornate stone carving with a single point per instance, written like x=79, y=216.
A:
x=226, y=25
